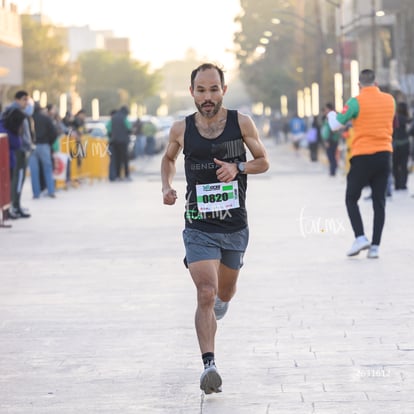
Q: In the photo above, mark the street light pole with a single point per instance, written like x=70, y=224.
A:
x=341, y=39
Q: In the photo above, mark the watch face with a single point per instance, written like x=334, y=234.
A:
x=240, y=167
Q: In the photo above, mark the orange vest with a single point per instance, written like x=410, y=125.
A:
x=373, y=126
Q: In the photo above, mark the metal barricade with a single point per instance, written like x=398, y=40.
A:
x=88, y=159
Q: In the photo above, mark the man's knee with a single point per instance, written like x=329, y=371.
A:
x=206, y=295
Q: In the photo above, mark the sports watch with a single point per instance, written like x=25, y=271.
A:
x=241, y=168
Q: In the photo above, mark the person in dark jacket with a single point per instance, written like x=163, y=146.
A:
x=112, y=170
x=401, y=148
x=23, y=102
x=46, y=134
x=119, y=128
x=11, y=123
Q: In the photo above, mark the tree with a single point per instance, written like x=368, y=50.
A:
x=280, y=48
x=45, y=67
x=265, y=53
x=115, y=80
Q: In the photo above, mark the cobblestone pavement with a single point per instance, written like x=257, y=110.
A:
x=96, y=308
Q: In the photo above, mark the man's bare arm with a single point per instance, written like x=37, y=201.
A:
x=168, y=169
x=259, y=164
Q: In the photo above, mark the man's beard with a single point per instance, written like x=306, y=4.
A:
x=209, y=114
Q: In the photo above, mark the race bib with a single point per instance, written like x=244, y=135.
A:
x=217, y=196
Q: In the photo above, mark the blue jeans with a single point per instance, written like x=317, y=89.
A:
x=331, y=153
x=41, y=162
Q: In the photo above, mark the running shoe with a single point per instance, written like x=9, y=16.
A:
x=220, y=308
x=210, y=380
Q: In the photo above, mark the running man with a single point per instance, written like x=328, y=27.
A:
x=216, y=233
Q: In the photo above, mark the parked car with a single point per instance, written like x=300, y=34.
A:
x=96, y=129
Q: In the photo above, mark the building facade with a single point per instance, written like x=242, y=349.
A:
x=11, y=52
x=379, y=35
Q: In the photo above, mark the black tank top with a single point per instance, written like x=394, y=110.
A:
x=200, y=170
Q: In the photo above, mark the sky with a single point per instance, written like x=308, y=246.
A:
x=159, y=30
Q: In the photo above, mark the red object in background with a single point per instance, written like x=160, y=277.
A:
x=349, y=52
x=4, y=176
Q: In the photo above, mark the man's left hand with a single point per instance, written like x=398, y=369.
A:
x=227, y=171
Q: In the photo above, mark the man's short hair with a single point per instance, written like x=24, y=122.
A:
x=204, y=67
x=367, y=77
x=20, y=94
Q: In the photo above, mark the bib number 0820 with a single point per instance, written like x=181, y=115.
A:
x=215, y=198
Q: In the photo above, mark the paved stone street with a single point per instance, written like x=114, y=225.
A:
x=97, y=309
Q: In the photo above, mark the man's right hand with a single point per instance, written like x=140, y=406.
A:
x=169, y=195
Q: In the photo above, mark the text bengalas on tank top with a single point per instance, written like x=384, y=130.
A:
x=213, y=206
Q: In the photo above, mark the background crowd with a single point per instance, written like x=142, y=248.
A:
x=314, y=135
x=35, y=134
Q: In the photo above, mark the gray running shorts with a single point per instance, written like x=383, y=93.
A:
x=229, y=248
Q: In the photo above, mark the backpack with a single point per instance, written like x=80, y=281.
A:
x=328, y=135
x=13, y=118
